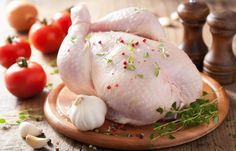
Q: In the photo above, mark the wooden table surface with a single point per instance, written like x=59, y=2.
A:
x=219, y=140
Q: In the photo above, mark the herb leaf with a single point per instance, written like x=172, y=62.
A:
x=160, y=110
x=53, y=63
x=216, y=119
x=161, y=45
x=146, y=55
x=2, y=121
x=140, y=76
x=174, y=106
x=130, y=46
x=152, y=136
x=88, y=37
x=157, y=69
x=131, y=59
x=100, y=54
x=131, y=67
x=197, y=113
x=73, y=38
x=108, y=60
x=55, y=71
x=22, y=117
x=49, y=86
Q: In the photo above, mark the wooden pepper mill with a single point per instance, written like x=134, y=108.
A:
x=193, y=17
x=220, y=62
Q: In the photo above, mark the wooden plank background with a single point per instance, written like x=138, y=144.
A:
x=219, y=140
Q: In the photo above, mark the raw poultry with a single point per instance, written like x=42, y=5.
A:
x=126, y=59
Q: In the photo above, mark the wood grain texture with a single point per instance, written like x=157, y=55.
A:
x=218, y=140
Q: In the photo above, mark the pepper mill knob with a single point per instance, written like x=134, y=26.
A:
x=193, y=16
x=220, y=62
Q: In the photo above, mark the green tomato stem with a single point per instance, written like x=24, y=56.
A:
x=10, y=39
x=22, y=62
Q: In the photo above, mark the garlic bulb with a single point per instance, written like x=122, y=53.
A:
x=87, y=112
x=26, y=128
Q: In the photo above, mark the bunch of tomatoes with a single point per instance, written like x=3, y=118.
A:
x=25, y=78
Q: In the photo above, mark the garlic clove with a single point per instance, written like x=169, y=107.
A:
x=36, y=142
x=26, y=128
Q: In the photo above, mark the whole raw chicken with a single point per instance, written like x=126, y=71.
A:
x=126, y=59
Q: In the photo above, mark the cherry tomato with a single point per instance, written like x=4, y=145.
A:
x=12, y=49
x=62, y=19
x=25, y=79
x=46, y=38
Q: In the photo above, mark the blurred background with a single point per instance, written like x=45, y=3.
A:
x=99, y=8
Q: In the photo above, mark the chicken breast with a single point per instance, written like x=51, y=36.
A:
x=134, y=69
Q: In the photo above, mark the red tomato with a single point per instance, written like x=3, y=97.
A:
x=62, y=19
x=12, y=49
x=46, y=38
x=25, y=78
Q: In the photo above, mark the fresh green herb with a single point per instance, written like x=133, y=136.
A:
x=131, y=60
x=18, y=121
x=53, y=63
x=197, y=113
x=108, y=60
x=2, y=121
x=100, y=54
x=161, y=45
x=49, y=86
x=131, y=67
x=73, y=38
x=163, y=51
x=174, y=106
x=138, y=10
x=88, y=37
x=130, y=46
x=140, y=76
x=157, y=69
x=160, y=110
x=22, y=117
x=55, y=71
x=216, y=119
x=146, y=55
x=169, y=114
x=152, y=136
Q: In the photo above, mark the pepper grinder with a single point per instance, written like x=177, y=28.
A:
x=193, y=16
x=220, y=62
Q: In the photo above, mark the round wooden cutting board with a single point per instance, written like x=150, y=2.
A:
x=59, y=100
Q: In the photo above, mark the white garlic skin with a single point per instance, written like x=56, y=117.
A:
x=87, y=112
x=27, y=128
x=36, y=142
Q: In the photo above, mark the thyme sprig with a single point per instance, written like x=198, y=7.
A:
x=196, y=113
